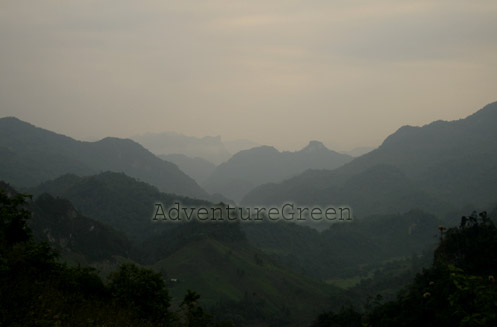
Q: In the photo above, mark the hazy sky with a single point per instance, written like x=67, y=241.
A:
x=278, y=72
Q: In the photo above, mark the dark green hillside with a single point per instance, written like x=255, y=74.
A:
x=238, y=281
x=345, y=250
x=116, y=200
x=459, y=289
x=75, y=236
x=244, y=285
x=161, y=245
x=32, y=155
x=213, y=259
x=38, y=290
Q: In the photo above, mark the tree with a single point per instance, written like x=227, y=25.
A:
x=13, y=219
x=142, y=289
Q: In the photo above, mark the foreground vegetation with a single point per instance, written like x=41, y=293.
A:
x=38, y=290
x=458, y=290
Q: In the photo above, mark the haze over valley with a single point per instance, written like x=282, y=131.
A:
x=248, y=163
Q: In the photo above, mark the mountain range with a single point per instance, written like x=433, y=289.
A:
x=439, y=167
x=197, y=168
x=210, y=148
x=250, y=168
x=94, y=202
x=31, y=155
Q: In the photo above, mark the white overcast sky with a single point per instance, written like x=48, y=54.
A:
x=278, y=72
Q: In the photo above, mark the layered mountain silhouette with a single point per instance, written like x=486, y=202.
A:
x=250, y=168
x=359, y=151
x=437, y=167
x=210, y=148
x=197, y=168
x=31, y=155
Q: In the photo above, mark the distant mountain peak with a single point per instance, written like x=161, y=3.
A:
x=10, y=118
x=12, y=121
x=315, y=146
x=265, y=148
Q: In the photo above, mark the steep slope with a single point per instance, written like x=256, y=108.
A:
x=357, y=152
x=213, y=259
x=114, y=199
x=78, y=239
x=241, y=283
x=460, y=154
x=197, y=168
x=250, y=168
x=454, y=163
x=33, y=155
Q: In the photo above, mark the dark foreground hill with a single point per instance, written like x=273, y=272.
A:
x=39, y=290
x=78, y=238
x=345, y=250
x=459, y=288
x=115, y=199
x=237, y=281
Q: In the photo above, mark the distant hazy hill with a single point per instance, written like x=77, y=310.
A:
x=356, y=152
x=210, y=148
x=449, y=163
x=31, y=155
x=235, y=146
x=197, y=168
x=250, y=168
x=116, y=200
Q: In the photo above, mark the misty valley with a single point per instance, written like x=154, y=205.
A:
x=170, y=230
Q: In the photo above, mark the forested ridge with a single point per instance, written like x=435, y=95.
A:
x=459, y=288
x=39, y=290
